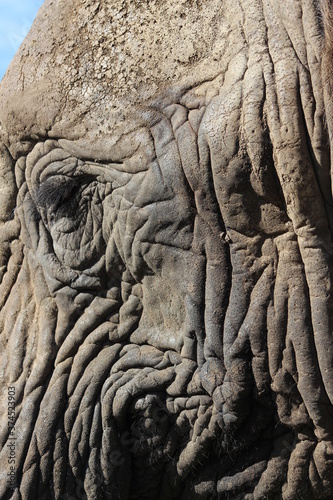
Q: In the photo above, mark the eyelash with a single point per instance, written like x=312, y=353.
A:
x=61, y=195
x=52, y=194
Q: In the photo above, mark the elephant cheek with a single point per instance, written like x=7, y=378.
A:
x=161, y=324
x=172, y=301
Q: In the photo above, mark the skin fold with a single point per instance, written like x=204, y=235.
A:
x=166, y=252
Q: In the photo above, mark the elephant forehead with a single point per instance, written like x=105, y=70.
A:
x=91, y=58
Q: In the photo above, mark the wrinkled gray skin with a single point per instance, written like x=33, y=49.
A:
x=166, y=306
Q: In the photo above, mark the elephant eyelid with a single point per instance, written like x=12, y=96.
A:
x=55, y=193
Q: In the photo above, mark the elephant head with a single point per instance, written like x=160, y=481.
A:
x=166, y=215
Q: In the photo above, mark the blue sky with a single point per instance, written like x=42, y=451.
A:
x=16, y=17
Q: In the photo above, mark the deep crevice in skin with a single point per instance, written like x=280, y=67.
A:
x=317, y=171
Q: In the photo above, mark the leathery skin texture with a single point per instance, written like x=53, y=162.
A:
x=166, y=252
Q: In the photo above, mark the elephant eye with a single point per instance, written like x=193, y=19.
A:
x=60, y=195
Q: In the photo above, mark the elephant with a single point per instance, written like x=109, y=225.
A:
x=166, y=224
